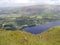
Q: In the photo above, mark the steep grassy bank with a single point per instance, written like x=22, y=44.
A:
x=49, y=37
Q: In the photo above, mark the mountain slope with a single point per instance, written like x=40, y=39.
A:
x=49, y=37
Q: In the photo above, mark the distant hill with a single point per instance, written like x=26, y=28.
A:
x=49, y=37
x=31, y=10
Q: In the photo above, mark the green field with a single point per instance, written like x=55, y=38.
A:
x=49, y=37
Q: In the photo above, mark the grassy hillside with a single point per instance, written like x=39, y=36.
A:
x=16, y=38
x=49, y=37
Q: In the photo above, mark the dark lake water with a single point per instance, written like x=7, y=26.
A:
x=40, y=28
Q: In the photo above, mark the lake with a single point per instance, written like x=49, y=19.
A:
x=41, y=27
